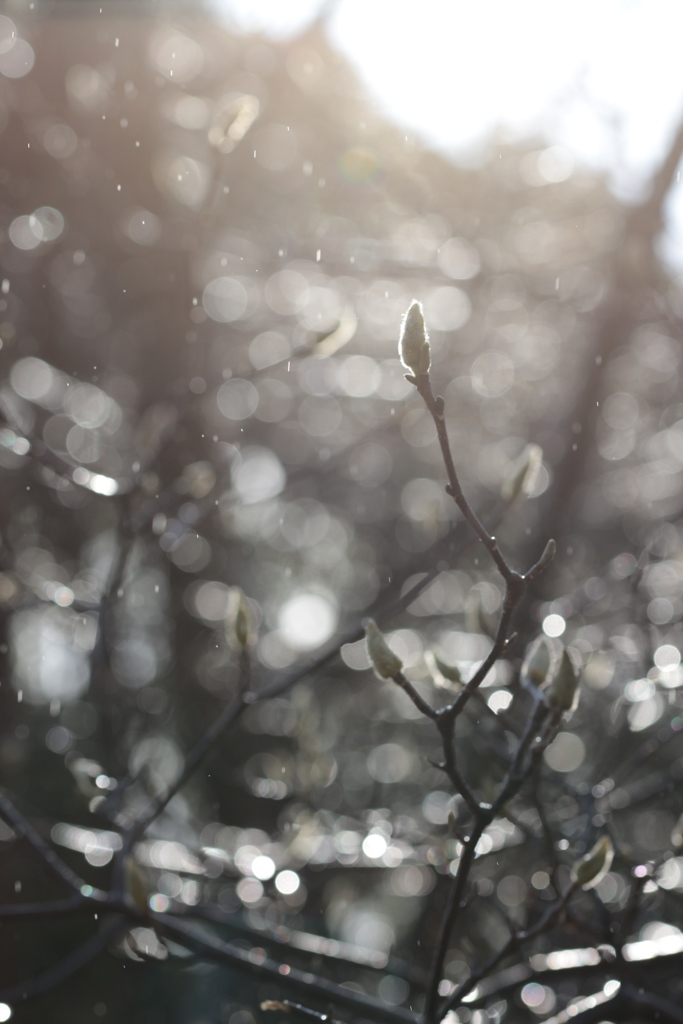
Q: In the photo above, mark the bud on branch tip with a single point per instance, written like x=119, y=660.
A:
x=592, y=868
x=537, y=663
x=135, y=882
x=562, y=691
x=241, y=625
x=413, y=345
x=385, y=663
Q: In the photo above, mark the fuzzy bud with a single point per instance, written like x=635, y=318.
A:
x=592, y=868
x=385, y=663
x=523, y=474
x=677, y=833
x=240, y=624
x=413, y=345
x=537, y=662
x=562, y=692
x=451, y=673
x=136, y=887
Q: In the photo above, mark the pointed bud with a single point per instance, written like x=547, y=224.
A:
x=136, y=887
x=385, y=663
x=86, y=773
x=329, y=342
x=562, y=692
x=442, y=672
x=413, y=345
x=241, y=626
x=523, y=474
x=592, y=868
x=677, y=833
x=537, y=662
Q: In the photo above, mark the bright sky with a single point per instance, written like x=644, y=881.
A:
x=601, y=77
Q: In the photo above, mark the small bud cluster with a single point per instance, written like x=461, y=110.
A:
x=557, y=676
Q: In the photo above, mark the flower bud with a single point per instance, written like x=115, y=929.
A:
x=677, y=833
x=241, y=626
x=385, y=663
x=537, y=662
x=523, y=474
x=562, y=692
x=136, y=887
x=592, y=868
x=441, y=671
x=413, y=345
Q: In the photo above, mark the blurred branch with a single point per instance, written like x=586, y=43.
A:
x=287, y=977
x=631, y=279
x=56, y=908
x=628, y=1003
x=287, y=1006
x=49, y=858
x=334, y=950
x=67, y=967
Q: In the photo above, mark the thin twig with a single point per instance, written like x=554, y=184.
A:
x=20, y=824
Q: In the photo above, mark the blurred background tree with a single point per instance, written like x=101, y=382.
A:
x=208, y=242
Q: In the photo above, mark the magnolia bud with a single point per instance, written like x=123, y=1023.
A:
x=450, y=673
x=136, y=887
x=241, y=625
x=523, y=474
x=562, y=691
x=592, y=868
x=385, y=663
x=677, y=833
x=537, y=662
x=413, y=345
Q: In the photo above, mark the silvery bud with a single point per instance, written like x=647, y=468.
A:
x=451, y=673
x=562, y=692
x=523, y=474
x=593, y=867
x=537, y=662
x=240, y=622
x=385, y=663
x=136, y=884
x=413, y=345
x=677, y=833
